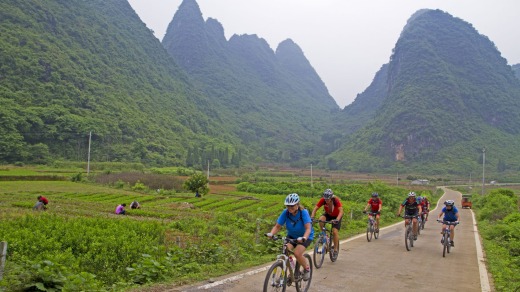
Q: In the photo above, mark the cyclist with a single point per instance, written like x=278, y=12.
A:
x=375, y=204
x=333, y=212
x=451, y=214
x=425, y=205
x=412, y=208
x=299, y=226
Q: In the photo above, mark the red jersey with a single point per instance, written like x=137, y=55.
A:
x=374, y=204
x=334, y=208
x=44, y=200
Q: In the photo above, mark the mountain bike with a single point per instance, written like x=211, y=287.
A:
x=372, y=228
x=446, y=232
x=408, y=235
x=424, y=219
x=286, y=270
x=324, y=244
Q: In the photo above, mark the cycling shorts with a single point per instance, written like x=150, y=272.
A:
x=330, y=218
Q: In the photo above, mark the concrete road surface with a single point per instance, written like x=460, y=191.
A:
x=384, y=264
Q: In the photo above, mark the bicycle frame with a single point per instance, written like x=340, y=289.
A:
x=288, y=275
x=408, y=235
x=324, y=244
x=446, y=235
x=371, y=226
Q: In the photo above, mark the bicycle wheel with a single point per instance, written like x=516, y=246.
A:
x=319, y=251
x=276, y=278
x=301, y=285
x=376, y=231
x=446, y=244
x=449, y=243
x=370, y=231
x=419, y=227
x=411, y=236
x=406, y=237
x=332, y=253
x=423, y=222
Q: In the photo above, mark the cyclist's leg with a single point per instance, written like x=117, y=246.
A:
x=298, y=253
x=335, y=231
x=377, y=221
x=322, y=218
x=452, y=232
x=414, y=226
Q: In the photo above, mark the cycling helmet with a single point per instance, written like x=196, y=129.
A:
x=327, y=194
x=375, y=195
x=449, y=203
x=292, y=199
x=411, y=195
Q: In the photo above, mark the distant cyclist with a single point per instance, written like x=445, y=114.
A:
x=299, y=226
x=451, y=214
x=425, y=206
x=375, y=204
x=412, y=208
x=333, y=212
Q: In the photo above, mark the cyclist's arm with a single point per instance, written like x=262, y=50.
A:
x=276, y=228
x=440, y=215
x=308, y=227
x=314, y=211
x=340, y=215
x=366, y=207
x=400, y=209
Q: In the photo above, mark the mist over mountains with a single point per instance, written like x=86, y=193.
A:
x=70, y=68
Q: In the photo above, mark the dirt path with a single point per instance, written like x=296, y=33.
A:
x=384, y=264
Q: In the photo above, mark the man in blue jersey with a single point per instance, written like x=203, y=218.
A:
x=451, y=214
x=299, y=226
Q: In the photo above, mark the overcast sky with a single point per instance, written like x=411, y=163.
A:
x=346, y=41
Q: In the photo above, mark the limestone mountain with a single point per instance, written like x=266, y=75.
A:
x=68, y=68
x=274, y=100
x=447, y=94
x=516, y=69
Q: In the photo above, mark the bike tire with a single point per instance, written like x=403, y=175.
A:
x=320, y=249
x=332, y=255
x=410, y=238
x=423, y=222
x=370, y=231
x=445, y=245
x=376, y=233
x=276, y=278
x=301, y=285
x=406, y=237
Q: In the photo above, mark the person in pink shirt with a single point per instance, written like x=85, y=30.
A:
x=120, y=210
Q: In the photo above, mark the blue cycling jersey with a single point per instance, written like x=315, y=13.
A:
x=450, y=215
x=295, y=225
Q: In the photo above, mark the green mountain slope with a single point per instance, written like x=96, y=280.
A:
x=449, y=93
x=71, y=67
x=274, y=100
x=516, y=69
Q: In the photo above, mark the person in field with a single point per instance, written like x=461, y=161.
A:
x=135, y=205
x=41, y=204
x=120, y=210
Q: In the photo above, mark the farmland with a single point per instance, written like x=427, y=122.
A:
x=80, y=244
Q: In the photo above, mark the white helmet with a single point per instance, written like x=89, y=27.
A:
x=292, y=199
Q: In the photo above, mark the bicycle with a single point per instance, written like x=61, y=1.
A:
x=408, y=235
x=324, y=244
x=446, y=232
x=286, y=270
x=424, y=219
x=372, y=228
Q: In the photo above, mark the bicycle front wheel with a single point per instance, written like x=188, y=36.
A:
x=370, y=231
x=319, y=252
x=376, y=231
x=446, y=243
x=406, y=238
x=276, y=278
x=300, y=283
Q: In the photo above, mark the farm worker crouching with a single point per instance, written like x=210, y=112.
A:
x=41, y=204
x=135, y=205
x=120, y=210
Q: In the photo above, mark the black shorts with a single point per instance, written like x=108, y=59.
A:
x=330, y=218
x=305, y=243
x=411, y=213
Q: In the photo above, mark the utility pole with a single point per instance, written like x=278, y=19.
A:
x=88, y=159
x=483, y=168
x=311, y=177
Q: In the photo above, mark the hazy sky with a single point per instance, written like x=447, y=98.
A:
x=346, y=41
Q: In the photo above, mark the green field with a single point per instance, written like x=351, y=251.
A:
x=80, y=244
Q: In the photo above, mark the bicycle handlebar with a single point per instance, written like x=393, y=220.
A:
x=322, y=221
x=448, y=222
x=276, y=237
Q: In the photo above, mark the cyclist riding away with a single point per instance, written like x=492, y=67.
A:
x=451, y=214
x=412, y=208
x=333, y=212
x=375, y=204
x=299, y=226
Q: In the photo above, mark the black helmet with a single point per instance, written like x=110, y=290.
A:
x=327, y=194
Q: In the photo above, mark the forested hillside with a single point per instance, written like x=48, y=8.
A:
x=448, y=94
x=274, y=100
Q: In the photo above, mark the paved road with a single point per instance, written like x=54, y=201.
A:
x=385, y=265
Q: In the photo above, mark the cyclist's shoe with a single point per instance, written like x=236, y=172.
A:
x=307, y=275
x=452, y=243
x=415, y=237
x=377, y=230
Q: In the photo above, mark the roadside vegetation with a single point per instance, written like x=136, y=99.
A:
x=499, y=225
x=80, y=244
